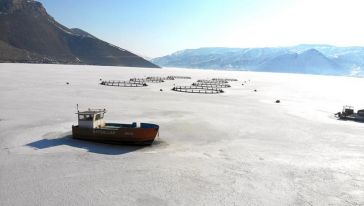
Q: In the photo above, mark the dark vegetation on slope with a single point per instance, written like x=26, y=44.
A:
x=29, y=34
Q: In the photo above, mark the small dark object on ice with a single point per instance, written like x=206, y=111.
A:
x=242, y=84
x=255, y=90
x=278, y=101
x=67, y=83
x=161, y=90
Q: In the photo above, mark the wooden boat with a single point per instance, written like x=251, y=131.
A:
x=349, y=114
x=92, y=126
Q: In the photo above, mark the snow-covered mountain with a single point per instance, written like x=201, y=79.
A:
x=309, y=62
x=305, y=58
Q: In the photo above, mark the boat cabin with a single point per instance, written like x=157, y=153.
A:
x=91, y=118
x=348, y=110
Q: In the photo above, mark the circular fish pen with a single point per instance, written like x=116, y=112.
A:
x=213, y=85
x=160, y=78
x=179, y=77
x=197, y=89
x=116, y=83
x=212, y=81
x=143, y=80
x=224, y=79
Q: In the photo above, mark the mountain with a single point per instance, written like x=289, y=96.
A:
x=29, y=34
x=309, y=62
x=305, y=58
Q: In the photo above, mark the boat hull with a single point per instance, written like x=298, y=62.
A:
x=123, y=135
x=353, y=117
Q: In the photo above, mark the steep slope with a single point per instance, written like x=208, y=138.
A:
x=25, y=25
x=13, y=54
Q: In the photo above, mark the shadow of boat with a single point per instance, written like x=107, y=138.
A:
x=90, y=146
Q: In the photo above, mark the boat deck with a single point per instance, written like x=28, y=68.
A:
x=115, y=126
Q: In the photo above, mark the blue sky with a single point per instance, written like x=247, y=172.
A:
x=153, y=28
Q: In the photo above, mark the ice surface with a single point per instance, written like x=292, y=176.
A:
x=235, y=148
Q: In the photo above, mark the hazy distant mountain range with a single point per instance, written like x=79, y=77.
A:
x=308, y=59
x=29, y=34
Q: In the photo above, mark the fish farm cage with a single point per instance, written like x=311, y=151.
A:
x=196, y=89
x=179, y=77
x=161, y=78
x=224, y=79
x=117, y=83
x=149, y=80
x=213, y=85
x=212, y=81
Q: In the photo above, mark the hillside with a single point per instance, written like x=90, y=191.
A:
x=32, y=35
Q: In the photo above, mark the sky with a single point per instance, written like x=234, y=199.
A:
x=153, y=28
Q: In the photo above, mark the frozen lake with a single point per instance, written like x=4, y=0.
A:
x=235, y=148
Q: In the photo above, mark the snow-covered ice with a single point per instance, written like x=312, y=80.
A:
x=235, y=148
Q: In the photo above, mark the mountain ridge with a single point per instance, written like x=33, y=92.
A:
x=303, y=58
x=25, y=26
